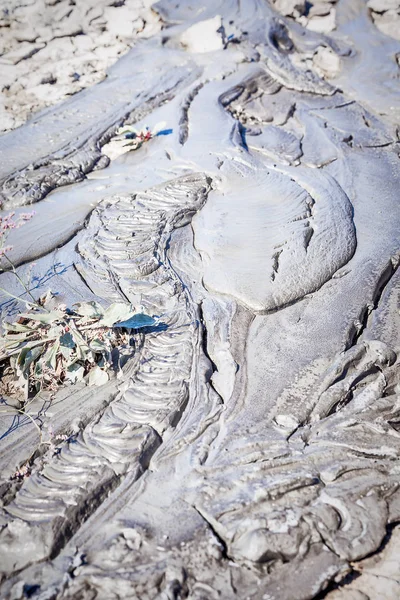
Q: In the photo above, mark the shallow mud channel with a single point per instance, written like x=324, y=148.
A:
x=199, y=286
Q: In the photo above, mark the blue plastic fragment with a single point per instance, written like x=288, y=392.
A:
x=165, y=132
x=136, y=322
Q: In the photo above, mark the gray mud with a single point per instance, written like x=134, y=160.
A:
x=251, y=448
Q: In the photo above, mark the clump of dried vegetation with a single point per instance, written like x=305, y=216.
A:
x=46, y=346
x=50, y=344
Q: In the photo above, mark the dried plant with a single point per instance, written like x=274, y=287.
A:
x=48, y=346
x=137, y=137
x=8, y=223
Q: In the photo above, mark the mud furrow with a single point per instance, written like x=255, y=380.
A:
x=123, y=439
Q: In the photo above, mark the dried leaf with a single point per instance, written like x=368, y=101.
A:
x=55, y=331
x=38, y=369
x=46, y=300
x=8, y=348
x=21, y=360
x=50, y=357
x=14, y=349
x=82, y=348
x=89, y=309
x=45, y=318
x=14, y=337
x=66, y=353
x=116, y=312
x=98, y=346
x=26, y=357
x=126, y=129
x=19, y=327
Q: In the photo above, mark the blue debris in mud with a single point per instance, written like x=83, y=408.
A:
x=137, y=322
x=165, y=132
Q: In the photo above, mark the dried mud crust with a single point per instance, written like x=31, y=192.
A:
x=251, y=448
x=319, y=15
x=50, y=50
x=386, y=16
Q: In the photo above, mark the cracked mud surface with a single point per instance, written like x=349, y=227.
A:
x=251, y=448
x=52, y=49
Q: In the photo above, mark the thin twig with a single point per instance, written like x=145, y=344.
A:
x=26, y=302
x=21, y=281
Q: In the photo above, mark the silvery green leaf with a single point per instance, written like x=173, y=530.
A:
x=15, y=337
x=44, y=318
x=98, y=346
x=74, y=372
x=19, y=327
x=15, y=347
x=82, y=349
x=9, y=345
x=126, y=129
x=38, y=369
x=55, y=331
x=116, y=312
x=21, y=360
x=97, y=376
x=30, y=356
x=137, y=321
x=66, y=352
x=50, y=357
x=89, y=309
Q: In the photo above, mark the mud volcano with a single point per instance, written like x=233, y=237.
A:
x=216, y=194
